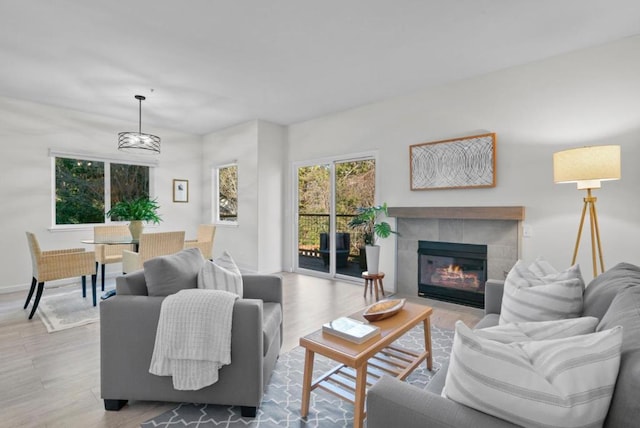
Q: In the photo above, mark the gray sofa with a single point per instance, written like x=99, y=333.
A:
x=128, y=323
x=613, y=297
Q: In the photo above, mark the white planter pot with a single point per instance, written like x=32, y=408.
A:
x=373, y=258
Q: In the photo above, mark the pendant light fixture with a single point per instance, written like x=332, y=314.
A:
x=137, y=142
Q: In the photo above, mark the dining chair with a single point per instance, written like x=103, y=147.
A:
x=58, y=264
x=204, y=241
x=106, y=249
x=152, y=245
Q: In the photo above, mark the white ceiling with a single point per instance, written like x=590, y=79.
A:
x=208, y=64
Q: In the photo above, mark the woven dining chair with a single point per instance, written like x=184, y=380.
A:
x=152, y=245
x=58, y=264
x=110, y=253
x=204, y=241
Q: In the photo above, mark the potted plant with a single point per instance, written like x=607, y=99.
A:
x=367, y=222
x=136, y=211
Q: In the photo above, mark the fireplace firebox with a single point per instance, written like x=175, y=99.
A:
x=452, y=272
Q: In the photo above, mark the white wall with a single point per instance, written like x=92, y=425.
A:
x=584, y=98
x=27, y=131
x=258, y=149
x=236, y=145
x=271, y=178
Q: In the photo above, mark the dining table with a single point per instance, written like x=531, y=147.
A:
x=135, y=242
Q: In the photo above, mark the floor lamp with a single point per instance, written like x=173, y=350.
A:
x=588, y=167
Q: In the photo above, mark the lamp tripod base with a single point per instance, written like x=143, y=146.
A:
x=590, y=205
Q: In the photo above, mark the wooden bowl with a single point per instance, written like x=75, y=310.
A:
x=384, y=309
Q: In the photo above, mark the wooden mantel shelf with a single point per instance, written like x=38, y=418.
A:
x=475, y=213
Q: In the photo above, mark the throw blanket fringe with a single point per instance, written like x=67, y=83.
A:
x=193, y=339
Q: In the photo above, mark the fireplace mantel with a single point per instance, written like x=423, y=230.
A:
x=475, y=213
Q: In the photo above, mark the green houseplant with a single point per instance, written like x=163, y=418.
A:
x=367, y=221
x=136, y=211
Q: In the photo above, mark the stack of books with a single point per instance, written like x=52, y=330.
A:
x=351, y=330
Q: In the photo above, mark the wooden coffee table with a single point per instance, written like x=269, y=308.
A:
x=361, y=365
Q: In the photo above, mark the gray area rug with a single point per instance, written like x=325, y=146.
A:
x=281, y=403
x=68, y=309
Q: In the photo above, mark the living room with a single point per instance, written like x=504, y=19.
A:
x=583, y=97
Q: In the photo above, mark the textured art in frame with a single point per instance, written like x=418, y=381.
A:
x=458, y=163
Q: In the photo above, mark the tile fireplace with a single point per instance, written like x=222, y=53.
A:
x=496, y=229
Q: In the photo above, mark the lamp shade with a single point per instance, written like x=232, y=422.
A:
x=138, y=142
x=587, y=166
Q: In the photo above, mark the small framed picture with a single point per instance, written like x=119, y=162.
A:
x=180, y=190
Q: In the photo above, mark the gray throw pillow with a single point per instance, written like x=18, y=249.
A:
x=624, y=311
x=601, y=291
x=167, y=275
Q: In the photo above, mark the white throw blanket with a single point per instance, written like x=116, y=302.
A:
x=193, y=340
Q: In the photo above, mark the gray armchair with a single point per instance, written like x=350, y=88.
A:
x=128, y=323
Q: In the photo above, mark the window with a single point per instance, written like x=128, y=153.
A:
x=128, y=182
x=227, y=194
x=79, y=191
x=85, y=189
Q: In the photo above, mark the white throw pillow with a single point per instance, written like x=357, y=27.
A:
x=544, y=270
x=539, y=330
x=535, y=294
x=221, y=274
x=541, y=267
x=561, y=383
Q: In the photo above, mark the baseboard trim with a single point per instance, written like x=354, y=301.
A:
x=54, y=284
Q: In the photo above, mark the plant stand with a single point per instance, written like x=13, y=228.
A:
x=373, y=281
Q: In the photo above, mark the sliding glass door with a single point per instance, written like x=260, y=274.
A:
x=314, y=219
x=328, y=195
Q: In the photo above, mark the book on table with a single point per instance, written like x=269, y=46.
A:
x=351, y=330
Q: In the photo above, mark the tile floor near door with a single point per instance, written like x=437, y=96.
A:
x=53, y=379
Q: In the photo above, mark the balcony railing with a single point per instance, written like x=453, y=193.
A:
x=310, y=226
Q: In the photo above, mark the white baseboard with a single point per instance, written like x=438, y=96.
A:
x=14, y=288
x=56, y=284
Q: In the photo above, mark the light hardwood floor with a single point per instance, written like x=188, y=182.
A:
x=53, y=379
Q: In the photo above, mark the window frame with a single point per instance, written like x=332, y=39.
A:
x=107, y=160
x=216, y=195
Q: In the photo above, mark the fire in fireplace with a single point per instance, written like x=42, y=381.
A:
x=453, y=272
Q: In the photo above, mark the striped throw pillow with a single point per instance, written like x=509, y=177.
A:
x=221, y=274
x=548, y=383
x=541, y=267
x=539, y=330
x=544, y=270
x=529, y=296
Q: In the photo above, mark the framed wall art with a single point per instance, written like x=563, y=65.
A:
x=457, y=163
x=180, y=190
